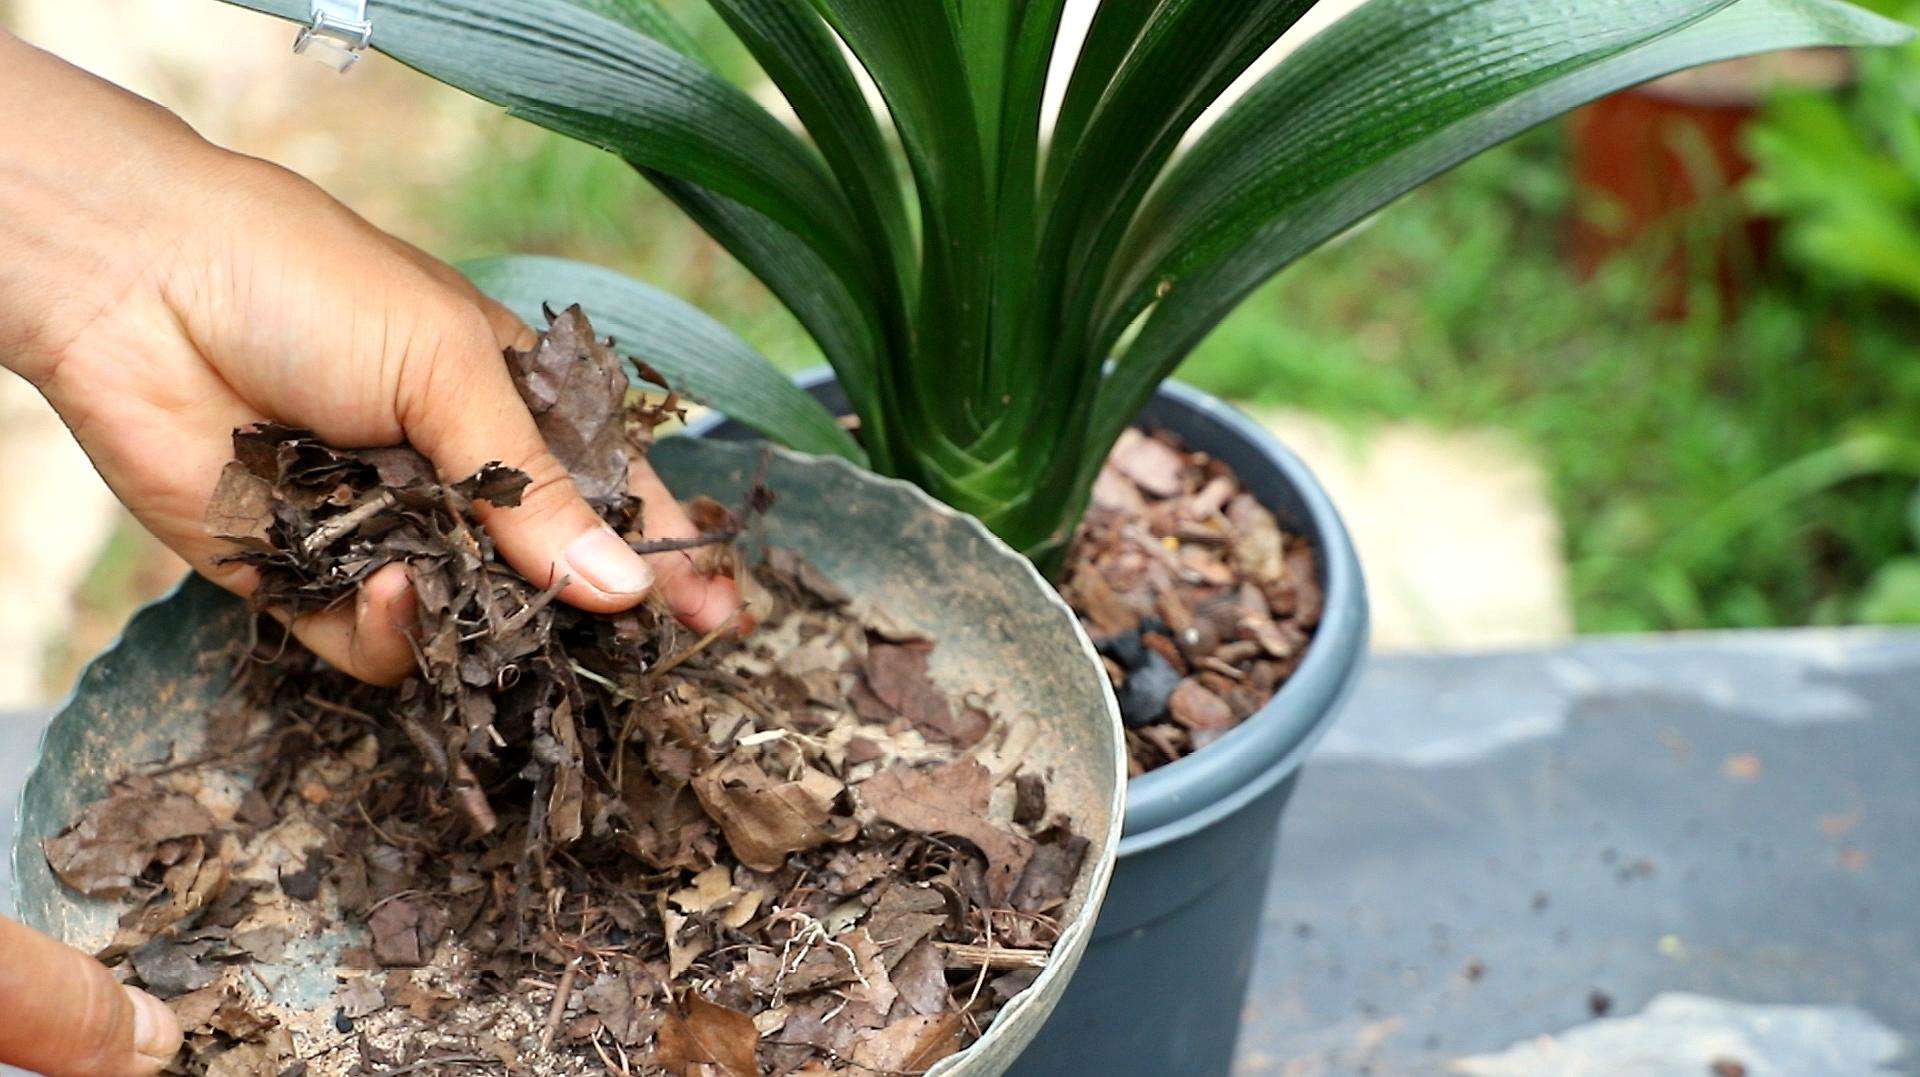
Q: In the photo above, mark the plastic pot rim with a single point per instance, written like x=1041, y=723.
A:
x=1192, y=794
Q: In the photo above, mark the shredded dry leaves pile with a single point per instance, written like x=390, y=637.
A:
x=574, y=844
x=1200, y=604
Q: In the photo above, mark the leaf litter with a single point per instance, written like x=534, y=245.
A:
x=573, y=843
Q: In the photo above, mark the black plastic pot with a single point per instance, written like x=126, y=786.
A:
x=1161, y=989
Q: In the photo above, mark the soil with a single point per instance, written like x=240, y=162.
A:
x=574, y=844
x=1199, y=602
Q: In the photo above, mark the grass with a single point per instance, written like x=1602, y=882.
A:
x=1744, y=471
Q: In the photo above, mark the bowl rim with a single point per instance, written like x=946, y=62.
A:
x=1190, y=794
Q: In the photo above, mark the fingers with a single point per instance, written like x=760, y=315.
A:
x=66, y=1016
x=459, y=407
x=702, y=602
x=368, y=638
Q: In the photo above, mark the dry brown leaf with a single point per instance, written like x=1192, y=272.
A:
x=117, y=838
x=1050, y=873
x=903, y=916
x=576, y=387
x=360, y=997
x=700, y=1032
x=402, y=934
x=951, y=799
x=710, y=888
x=241, y=511
x=921, y=979
x=271, y=1055
x=622, y=1004
x=765, y=819
x=911, y=1045
x=687, y=939
x=898, y=676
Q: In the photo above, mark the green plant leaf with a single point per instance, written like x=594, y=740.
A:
x=1381, y=102
x=1186, y=56
x=1115, y=26
x=565, y=66
x=649, y=18
x=803, y=58
x=986, y=33
x=704, y=360
x=911, y=48
x=845, y=327
x=1017, y=227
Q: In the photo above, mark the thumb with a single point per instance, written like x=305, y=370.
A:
x=458, y=406
x=66, y=1016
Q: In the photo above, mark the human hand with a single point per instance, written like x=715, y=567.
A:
x=66, y=1016
x=161, y=291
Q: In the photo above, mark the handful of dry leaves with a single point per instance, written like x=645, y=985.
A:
x=575, y=843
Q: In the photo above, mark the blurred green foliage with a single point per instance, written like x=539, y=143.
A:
x=1720, y=471
x=1748, y=470
x=1842, y=172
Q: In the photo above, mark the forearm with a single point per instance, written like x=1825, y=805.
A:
x=92, y=179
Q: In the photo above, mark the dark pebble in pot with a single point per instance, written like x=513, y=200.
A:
x=1143, y=699
x=1128, y=648
x=1125, y=649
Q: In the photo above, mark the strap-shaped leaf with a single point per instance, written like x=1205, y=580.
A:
x=572, y=69
x=986, y=32
x=1385, y=100
x=846, y=329
x=1187, y=55
x=898, y=432
x=1386, y=76
x=912, y=50
x=649, y=18
x=1017, y=229
x=703, y=359
x=1115, y=26
x=804, y=59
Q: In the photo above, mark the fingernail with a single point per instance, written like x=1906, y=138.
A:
x=156, y=1032
x=395, y=591
x=600, y=558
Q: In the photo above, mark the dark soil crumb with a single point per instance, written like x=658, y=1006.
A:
x=1599, y=1003
x=1728, y=1067
x=1201, y=605
x=574, y=844
x=1475, y=971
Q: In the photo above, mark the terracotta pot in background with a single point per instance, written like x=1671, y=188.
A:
x=1643, y=159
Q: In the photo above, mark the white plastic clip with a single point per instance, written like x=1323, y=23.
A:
x=339, y=33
